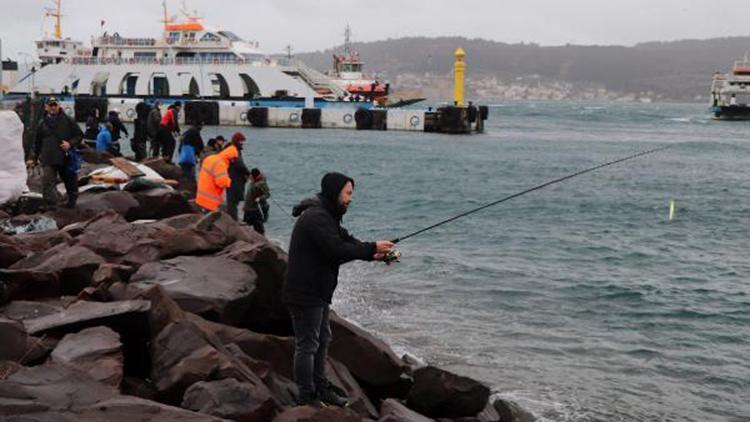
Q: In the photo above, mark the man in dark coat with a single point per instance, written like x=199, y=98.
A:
x=319, y=245
x=239, y=173
x=56, y=135
x=152, y=128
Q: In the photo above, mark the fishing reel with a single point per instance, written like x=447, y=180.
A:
x=394, y=255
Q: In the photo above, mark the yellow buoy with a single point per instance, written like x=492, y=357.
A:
x=459, y=70
x=671, y=209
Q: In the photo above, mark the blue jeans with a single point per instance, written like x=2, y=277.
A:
x=312, y=334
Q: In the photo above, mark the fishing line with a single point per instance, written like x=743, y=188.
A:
x=516, y=195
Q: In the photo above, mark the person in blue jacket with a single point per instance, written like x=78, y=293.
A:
x=104, y=142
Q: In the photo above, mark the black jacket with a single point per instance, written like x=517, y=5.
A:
x=50, y=134
x=239, y=173
x=117, y=127
x=318, y=247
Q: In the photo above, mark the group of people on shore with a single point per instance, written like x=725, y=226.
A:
x=222, y=169
x=319, y=243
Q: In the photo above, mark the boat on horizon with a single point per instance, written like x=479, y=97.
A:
x=730, y=93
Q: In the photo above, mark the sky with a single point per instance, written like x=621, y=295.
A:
x=309, y=25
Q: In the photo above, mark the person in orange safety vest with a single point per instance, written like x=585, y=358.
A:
x=213, y=178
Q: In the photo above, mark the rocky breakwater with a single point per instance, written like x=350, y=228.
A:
x=112, y=318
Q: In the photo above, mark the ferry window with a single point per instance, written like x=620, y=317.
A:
x=39, y=45
x=208, y=36
x=145, y=54
x=230, y=35
x=173, y=36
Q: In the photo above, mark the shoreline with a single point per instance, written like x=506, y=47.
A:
x=137, y=305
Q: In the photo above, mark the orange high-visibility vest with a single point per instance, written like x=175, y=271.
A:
x=213, y=178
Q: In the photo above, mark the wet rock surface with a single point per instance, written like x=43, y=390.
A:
x=134, y=307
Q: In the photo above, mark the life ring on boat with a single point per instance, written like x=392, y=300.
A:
x=243, y=116
x=347, y=118
x=294, y=117
x=414, y=121
x=66, y=60
x=130, y=113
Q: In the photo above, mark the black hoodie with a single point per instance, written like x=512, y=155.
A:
x=319, y=245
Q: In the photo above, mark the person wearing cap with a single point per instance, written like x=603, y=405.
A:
x=239, y=174
x=213, y=179
x=168, y=128
x=256, y=202
x=113, y=118
x=319, y=245
x=152, y=128
x=57, y=134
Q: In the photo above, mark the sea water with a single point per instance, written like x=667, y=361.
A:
x=581, y=301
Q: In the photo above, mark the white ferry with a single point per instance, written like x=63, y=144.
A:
x=189, y=62
x=730, y=94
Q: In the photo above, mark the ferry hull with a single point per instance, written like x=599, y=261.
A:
x=736, y=112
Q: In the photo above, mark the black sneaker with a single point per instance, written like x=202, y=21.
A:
x=332, y=396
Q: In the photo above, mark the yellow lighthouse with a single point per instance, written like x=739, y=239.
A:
x=458, y=77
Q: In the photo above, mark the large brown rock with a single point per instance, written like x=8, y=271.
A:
x=109, y=235
x=442, y=394
x=120, y=202
x=215, y=288
x=159, y=203
x=11, y=251
x=267, y=313
x=393, y=411
x=368, y=358
x=95, y=350
x=122, y=316
x=230, y=399
x=510, y=411
x=13, y=340
x=47, y=387
x=61, y=270
x=59, y=393
x=340, y=376
x=183, y=354
x=276, y=351
x=42, y=241
x=312, y=414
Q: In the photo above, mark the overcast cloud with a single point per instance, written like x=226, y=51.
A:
x=310, y=25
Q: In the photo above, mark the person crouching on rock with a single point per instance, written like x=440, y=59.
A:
x=56, y=136
x=256, y=202
x=213, y=179
x=319, y=245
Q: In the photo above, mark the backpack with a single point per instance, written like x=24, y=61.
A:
x=72, y=161
x=187, y=155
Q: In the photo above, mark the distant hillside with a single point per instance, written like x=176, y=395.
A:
x=679, y=70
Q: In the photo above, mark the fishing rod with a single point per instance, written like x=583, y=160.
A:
x=394, y=255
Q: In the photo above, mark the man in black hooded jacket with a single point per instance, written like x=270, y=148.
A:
x=319, y=245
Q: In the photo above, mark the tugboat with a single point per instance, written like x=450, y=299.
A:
x=348, y=73
x=730, y=94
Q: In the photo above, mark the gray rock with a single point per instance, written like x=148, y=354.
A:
x=95, y=350
x=510, y=411
x=230, y=399
x=216, y=288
